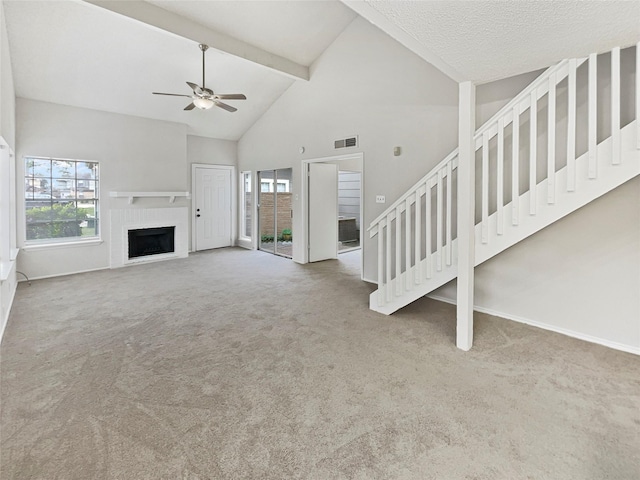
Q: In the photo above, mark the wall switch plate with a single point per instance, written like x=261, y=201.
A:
x=380, y=199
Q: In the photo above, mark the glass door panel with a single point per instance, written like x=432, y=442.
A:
x=283, y=187
x=266, y=211
x=275, y=209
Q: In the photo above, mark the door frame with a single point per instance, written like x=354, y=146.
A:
x=304, y=189
x=234, y=200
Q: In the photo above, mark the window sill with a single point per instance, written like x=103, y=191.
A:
x=46, y=246
x=5, y=270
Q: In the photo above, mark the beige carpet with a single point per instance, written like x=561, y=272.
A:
x=236, y=364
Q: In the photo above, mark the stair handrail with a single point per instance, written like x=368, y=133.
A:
x=412, y=190
x=523, y=95
x=504, y=111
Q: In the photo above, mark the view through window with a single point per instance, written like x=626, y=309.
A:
x=61, y=199
x=246, y=205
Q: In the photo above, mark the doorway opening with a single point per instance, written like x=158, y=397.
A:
x=349, y=186
x=318, y=201
x=275, y=211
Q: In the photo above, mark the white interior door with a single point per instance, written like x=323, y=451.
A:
x=212, y=207
x=323, y=211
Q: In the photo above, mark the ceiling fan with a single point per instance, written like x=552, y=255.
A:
x=204, y=98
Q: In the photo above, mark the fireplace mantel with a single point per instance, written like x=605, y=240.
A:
x=133, y=195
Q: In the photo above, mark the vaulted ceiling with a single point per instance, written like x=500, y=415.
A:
x=110, y=55
x=82, y=54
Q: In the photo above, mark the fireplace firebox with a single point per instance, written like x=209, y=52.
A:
x=151, y=241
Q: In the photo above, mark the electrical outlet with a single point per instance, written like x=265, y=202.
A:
x=380, y=199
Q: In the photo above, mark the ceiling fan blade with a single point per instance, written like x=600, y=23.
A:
x=191, y=106
x=171, y=94
x=226, y=107
x=230, y=96
x=196, y=88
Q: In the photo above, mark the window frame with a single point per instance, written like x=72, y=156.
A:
x=242, y=233
x=75, y=182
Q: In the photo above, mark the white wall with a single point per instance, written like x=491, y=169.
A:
x=7, y=92
x=580, y=275
x=211, y=151
x=135, y=154
x=7, y=176
x=364, y=84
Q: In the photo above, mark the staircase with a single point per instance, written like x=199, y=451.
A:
x=579, y=154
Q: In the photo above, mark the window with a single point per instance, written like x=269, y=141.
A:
x=61, y=199
x=266, y=185
x=245, y=223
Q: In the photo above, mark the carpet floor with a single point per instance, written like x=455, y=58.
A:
x=236, y=364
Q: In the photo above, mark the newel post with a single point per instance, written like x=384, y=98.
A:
x=466, y=214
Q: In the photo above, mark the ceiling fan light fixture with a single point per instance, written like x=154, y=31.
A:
x=203, y=103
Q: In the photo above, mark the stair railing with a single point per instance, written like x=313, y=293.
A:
x=415, y=234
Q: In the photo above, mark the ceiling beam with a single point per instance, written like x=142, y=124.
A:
x=368, y=12
x=170, y=22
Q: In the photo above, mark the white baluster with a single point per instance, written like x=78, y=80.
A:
x=571, y=127
x=439, y=222
x=615, y=106
x=500, y=180
x=429, y=229
x=515, y=167
x=408, y=280
x=638, y=95
x=551, y=142
x=448, y=234
x=593, y=115
x=485, y=188
x=533, y=153
x=388, y=291
x=418, y=233
x=381, y=282
x=398, y=283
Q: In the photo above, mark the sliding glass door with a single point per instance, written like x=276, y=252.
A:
x=274, y=211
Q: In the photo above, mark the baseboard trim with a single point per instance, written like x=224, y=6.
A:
x=545, y=326
x=373, y=282
x=55, y=275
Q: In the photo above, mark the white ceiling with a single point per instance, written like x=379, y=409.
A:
x=80, y=54
x=489, y=40
x=295, y=29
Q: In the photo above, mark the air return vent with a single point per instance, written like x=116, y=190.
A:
x=347, y=142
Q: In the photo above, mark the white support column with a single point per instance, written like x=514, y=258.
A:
x=466, y=214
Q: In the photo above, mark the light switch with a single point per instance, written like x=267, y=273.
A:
x=380, y=199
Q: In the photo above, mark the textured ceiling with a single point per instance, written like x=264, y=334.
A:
x=78, y=54
x=490, y=40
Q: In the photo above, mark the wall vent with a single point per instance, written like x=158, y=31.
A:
x=346, y=142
